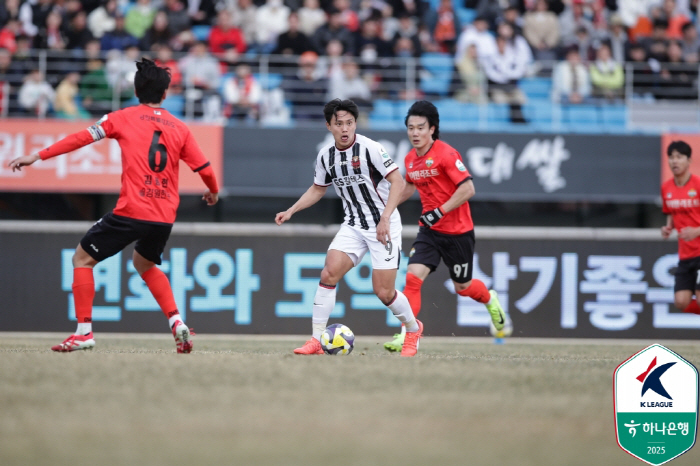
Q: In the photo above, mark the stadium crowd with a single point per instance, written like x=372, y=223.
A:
x=359, y=49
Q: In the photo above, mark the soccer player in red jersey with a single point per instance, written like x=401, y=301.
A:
x=681, y=203
x=152, y=143
x=446, y=231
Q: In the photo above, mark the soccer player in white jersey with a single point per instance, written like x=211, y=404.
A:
x=370, y=185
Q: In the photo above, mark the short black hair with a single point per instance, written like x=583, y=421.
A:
x=681, y=147
x=426, y=109
x=337, y=105
x=687, y=25
x=151, y=81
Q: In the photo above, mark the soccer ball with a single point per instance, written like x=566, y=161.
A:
x=506, y=331
x=337, y=339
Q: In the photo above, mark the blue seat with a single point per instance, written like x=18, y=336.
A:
x=201, y=32
x=436, y=76
x=536, y=87
x=538, y=111
x=269, y=81
x=383, y=109
x=379, y=124
x=581, y=114
x=465, y=15
x=401, y=109
x=614, y=115
x=175, y=104
x=496, y=113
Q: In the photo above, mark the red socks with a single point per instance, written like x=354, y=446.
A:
x=83, y=293
x=692, y=308
x=412, y=292
x=477, y=291
x=159, y=285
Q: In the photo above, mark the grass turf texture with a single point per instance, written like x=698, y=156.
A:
x=249, y=401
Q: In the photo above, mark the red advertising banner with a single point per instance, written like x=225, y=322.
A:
x=95, y=168
x=693, y=140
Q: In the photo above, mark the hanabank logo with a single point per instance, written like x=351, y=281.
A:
x=651, y=380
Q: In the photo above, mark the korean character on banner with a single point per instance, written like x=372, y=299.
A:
x=646, y=427
x=88, y=160
x=546, y=268
x=614, y=279
x=11, y=147
x=496, y=164
x=365, y=299
x=671, y=428
x=215, y=284
x=683, y=427
x=655, y=428
x=142, y=299
x=662, y=299
x=296, y=284
x=474, y=314
x=545, y=157
x=107, y=276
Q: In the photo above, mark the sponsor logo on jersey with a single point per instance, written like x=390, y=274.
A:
x=388, y=163
x=692, y=193
x=410, y=165
x=460, y=166
x=157, y=112
x=355, y=162
x=669, y=195
x=429, y=162
x=418, y=174
x=348, y=180
x=383, y=151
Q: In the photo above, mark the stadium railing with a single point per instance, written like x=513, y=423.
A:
x=652, y=99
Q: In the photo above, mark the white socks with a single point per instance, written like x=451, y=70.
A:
x=84, y=329
x=324, y=302
x=173, y=319
x=402, y=310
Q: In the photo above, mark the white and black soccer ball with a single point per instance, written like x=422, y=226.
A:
x=337, y=339
x=505, y=332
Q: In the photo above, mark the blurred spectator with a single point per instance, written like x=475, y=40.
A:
x=305, y=91
x=617, y=38
x=541, y=29
x=139, y=18
x=51, y=36
x=225, y=35
x=34, y=14
x=94, y=90
x=644, y=71
x=690, y=43
x=349, y=85
x=102, y=18
x=311, y=17
x=572, y=19
x=36, y=95
x=675, y=19
x=158, y=34
x=476, y=34
x=121, y=69
x=334, y=29
x=656, y=43
x=8, y=34
x=164, y=57
x=586, y=44
x=511, y=15
x=369, y=45
x=401, y=79
x=607, y=76
x=632, y=10
x=242, y=95
x=427, y=44
x=118, y=38
x=678, y=79
x=414, y=8
x=505, y=67
x=9, y=10
x=407, y=29
x=24, y=59
x=271, y=20
x=178, y=19
x=348, y=17
x=293, y=42
x=472, y=77
x=77, y=33
x=202, y=78
x=183, y=41
x=244, y=12
x=202, y=12
x=570, y=81
x=447, y=27
x=65, y=104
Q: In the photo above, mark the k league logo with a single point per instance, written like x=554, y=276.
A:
x=656, y=405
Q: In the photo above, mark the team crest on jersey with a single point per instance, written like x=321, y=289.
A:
x=383, y=151
x=355, y=162
x=692, y=193
x=460, y=166
x=668, y=195
x=429, y=162
x=157, y=112
x=410, y=165
x=413, y=251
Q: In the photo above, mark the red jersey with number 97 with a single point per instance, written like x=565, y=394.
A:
x=152, y=143
x=683, y=204
x=436, y=175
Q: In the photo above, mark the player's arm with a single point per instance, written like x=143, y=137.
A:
x=68, y=144
x=211, y=195
x=408, y=190
x=465, y=191
x=395, y=192
x=309, y=198
x=668, y=228
x=193, y=156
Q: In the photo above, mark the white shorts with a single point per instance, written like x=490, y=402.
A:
x=355, y=243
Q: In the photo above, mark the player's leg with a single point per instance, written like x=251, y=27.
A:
x=686, y=281
x=346, y=251
x=147, y=255
x=458, y=253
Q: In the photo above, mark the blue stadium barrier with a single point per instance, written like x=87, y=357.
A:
x=437, y=73
x=383, y=109
x=201, y=32
x=269, y=81
x=538, y=111
x=580, y=114
x=536, y=87
x=496, y=113
x=614, y=116
x=175, y=104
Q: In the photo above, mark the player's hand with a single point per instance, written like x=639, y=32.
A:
x=666, y=231
x=432, y=217
x=23, y=161
x=383, y=231
x=210, y=197
x=282, y=217
x=688, y=233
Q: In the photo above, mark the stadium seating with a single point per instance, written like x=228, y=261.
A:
x=436, y=76
x=269, y=80
x=536, y=88
x=175, y=104
x=201, y=32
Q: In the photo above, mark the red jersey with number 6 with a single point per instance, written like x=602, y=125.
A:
x=683, y=204
x=152, y=142
x=437, y=174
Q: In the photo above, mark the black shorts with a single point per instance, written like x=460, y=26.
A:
x=456, y=250
x=112, y=233
x=687, y=275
